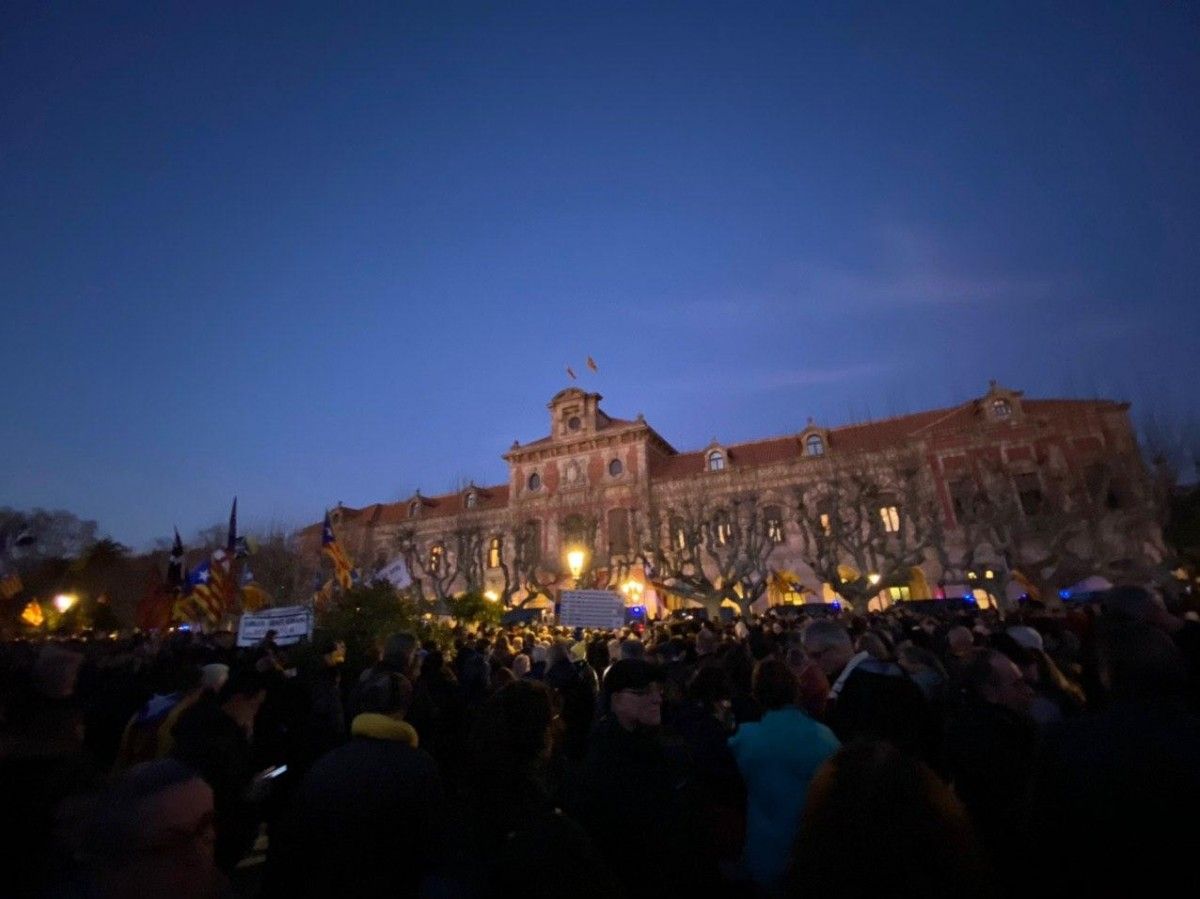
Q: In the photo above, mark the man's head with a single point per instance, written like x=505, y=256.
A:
x=152, y=834
x=993, y=677
x=960, y=641
x=827, y=645
x=398, y=653
x=242, y=696
x=387, y=693
x=633, y=689
x=774, y=685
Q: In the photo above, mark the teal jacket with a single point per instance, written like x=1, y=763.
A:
x=777, y=757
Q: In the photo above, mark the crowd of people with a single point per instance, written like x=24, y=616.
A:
x=1041, y=753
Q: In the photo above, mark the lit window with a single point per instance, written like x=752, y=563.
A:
x=774, y=522
x=900, y=594
x=1001, y=409
x=615, y=468
x=535, y=482
x=678, y=532
x=890, y=515
x=724, y=530
x=494, y=549
x=716, y=460
x=435, y=559
x=814, y=446
x=826, y=524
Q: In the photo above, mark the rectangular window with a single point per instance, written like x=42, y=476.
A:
x=1029, y=490
x=890, y=516
x=678, y=532
x=773, y=517
x=962, y=497
x=900, y=594
x=618, y=531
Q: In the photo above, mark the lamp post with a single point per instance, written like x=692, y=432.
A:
x=576, y=559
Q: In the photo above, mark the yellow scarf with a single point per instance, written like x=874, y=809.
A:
x=383, y=727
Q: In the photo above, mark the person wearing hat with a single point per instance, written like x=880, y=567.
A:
x=628, y=786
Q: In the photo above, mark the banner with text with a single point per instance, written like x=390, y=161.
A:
x=591, y=608
x=291, y=624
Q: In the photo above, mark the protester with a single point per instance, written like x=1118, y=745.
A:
x=880, y=823
x=368, y=814
x=150, y=833
x=777, y=757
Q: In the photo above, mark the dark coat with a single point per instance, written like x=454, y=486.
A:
x=219, y=749
x=366, y=821
x=880, y=702
x=630, y=797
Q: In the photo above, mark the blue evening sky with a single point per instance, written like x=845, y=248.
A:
x=316, y=252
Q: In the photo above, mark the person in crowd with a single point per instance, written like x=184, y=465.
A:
x=150, y=833
x=1125, y=767
x=368, y=816
x=176, y=684
x=1136, y=604
x=212, y=678
x=522, y=842
x=878, y=822
x=214, y=738
x=868, y=697
x=990, y=746
x=714, y=795
x=325, y=723
x=626, y=749
x=576, y=695
x=42, y=764
x=777, y=758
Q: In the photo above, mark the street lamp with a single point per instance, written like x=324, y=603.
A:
x=633, y=592
x=491, y=595
x=575, y=560
x=873, y=579
x=64, y=601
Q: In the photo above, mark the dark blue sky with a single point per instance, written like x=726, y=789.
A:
x=339, y=252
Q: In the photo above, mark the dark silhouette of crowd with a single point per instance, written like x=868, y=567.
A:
x=914, y=753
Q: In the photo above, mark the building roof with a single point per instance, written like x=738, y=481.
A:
x=861, y=437
x=866, y=436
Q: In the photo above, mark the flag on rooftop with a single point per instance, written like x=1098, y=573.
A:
x=330, y=547
x=591, y=363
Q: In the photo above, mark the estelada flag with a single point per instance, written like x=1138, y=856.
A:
x=341, y=564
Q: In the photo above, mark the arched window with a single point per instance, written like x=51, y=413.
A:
x=618, y=531
x=814, y=445
x=716, y=460
x=494, y=550
x=436, y=554
x=615, y=468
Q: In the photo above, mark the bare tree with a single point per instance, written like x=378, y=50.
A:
x=865, y=528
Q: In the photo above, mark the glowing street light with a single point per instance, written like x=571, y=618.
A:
x=575, y=559
x=873, y=578
x=64, y=601
x=633, y=592
x=491, y=595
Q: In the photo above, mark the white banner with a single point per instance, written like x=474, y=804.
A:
x=592, y=608
x=290, y=623
x=395, y=573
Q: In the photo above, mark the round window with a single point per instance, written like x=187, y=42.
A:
x=535, y=481
x=615, y=467
x=574, y=423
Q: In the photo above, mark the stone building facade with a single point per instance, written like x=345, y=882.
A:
x=996, y=497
